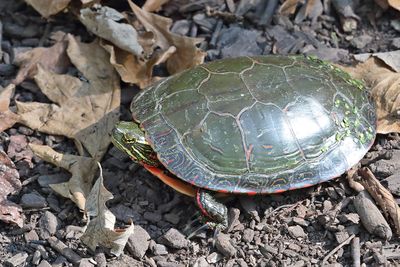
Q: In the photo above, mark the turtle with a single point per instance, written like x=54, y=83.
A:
x=249, y=125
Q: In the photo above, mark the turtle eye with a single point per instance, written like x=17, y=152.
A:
x=128, y=139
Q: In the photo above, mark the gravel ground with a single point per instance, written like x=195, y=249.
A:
x=298, y=228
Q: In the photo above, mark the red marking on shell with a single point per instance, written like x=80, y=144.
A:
x=223, y=191
x=170, y=161
x=267, y=146
x=280, y=190
x=252, y=193
x=203, y=210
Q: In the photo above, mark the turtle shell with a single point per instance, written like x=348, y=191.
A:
x=259, y=124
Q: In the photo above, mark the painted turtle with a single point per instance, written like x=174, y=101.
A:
x=252, y=125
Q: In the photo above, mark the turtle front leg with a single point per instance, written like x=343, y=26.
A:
x=212, y=207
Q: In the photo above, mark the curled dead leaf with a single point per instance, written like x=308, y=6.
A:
x=384, y=86
x=135, y=70
x=100, y=228
x=84, y=111
x=82, y=170
x=52, y=58
x=106, y=23
x=154, y=5
x=187, y=55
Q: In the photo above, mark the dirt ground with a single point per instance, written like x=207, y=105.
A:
x=297, y=228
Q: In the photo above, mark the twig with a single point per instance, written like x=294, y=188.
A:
x=355, y=252
x=347, y=241
x=382, y=196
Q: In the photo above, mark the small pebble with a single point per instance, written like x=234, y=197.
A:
x=48, y=225
x=33, y=201
x=296, y=231
x=224, y=245
x=174, y=239
x=138, y=242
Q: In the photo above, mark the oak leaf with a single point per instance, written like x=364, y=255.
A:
x=82, y=169
x=52, y=58
x=85, y=111
x=384, y=84
x=187, y=55
x=46, y=8
x=100, y=228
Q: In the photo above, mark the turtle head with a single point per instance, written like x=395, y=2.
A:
x=128, y=137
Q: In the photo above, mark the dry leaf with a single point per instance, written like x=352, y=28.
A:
x=395, y=4
x=385, y=90
x=154, y=5
x=134, y=70
x=82, y=170
x=105, y=23
x=84, y=111
x=52, y=58
x=289, y=7
x=9, y=184
x=46, y=8
x=187, y=55
x=7, y=117
x=100, y=230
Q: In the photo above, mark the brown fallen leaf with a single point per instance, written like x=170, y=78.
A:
x=289, y=7
x=108, y=24
x=385, y=90
x=82, y=169
x=7, y=117
x=84, y=111
x=154, y=5
x=100, y=228
x=187, y=55
x=52, y=58
x=135, y=70
x=9, y=184
x=46, y=8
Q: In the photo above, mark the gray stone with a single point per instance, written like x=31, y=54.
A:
x=158, y=249
x=201, y=262
x=152, y=216
x=224, y=245
x=31, y=236
x=236, y=41
x=172, y=218
x=17, y=259
x=33, y=201
x=174, y=239
x=36, y=257
x=48, y=225
x=169, y=264
x=86, y=262
x=248, y=235
x=125, y=214
x=138, y=242
x=296, y=231
x=214, y=258
x=45, y=263
x=361, y=41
